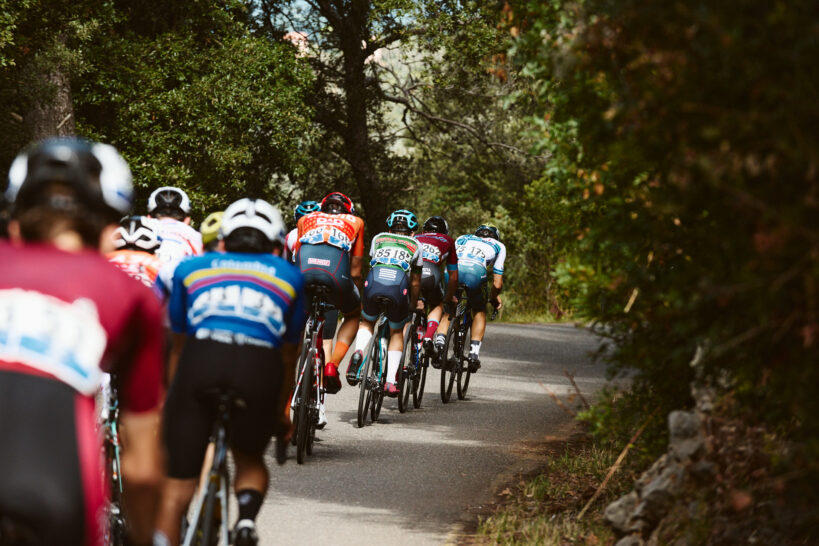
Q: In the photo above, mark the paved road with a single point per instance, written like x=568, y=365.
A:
x=408, y=479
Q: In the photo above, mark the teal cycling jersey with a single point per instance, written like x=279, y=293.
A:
x=480, y=255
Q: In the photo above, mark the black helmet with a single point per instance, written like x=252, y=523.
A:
x=97, y=175
x=489, y=231
x=436, y=224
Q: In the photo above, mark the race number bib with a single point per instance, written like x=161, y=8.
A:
x=392, y=255
x=63, y=339
x=431, y=253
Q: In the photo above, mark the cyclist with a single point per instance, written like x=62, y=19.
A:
x=302, y=209
x=238, y=316
x=64, y=312
x=136, y=241
x=210, y=230
x=329, y=251
x=396, y=273
x=438, y=249
x=477, y=255
x=171, y=207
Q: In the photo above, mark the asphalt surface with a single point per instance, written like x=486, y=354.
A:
x=413, y=478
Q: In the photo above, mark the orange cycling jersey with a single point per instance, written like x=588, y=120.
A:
x=143, y=266
x=344, y=231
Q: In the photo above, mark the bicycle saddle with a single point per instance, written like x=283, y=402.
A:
x=217, y=396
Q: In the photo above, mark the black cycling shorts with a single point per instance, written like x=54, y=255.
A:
x=255, y=373
x=50, y=479
x=330, y=266
x=431, y=288
x=391, y=283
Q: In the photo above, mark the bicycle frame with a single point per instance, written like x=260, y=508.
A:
x=370, y=387
x=115, y=529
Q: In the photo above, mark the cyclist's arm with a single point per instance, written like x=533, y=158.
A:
x=141, y=471
x=494, y=292
x=355, y=270
x=452, y=286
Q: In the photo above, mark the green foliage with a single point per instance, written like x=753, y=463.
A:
x=683, y=157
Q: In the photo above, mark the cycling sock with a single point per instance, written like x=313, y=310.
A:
x=432, y=325
x=393, y=360
x=338, y=352
x=361, y=340
x=250, y=501
x=475, y=347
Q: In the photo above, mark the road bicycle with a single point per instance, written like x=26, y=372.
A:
x=455, y=354
x=115, y=520
x=308, y=392
x=412, y=375
x=208, y=525
x=373, y=372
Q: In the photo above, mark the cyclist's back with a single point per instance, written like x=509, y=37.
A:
x=171, y=208
x=136, y=241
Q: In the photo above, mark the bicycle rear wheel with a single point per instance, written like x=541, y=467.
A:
x=380, y=379
x=364, y=387
x=209, y=528
x=449, y=361
x=463, y=365
x=303, y=412
x=420, y=381
x=302, y=359
x=405, y=370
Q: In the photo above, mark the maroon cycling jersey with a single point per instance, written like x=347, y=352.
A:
x=71, y=316
x=438, y=248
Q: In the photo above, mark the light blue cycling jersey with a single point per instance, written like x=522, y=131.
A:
x=255, y=296
x=479, y=255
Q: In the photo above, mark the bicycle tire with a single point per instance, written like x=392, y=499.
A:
x=302, y=359
x=364, y=388
x=421, y=381
x=378, y=394
x=448, y=363
x=463, y=366
x=206, y=523
x=405, y=368
x=303, y=413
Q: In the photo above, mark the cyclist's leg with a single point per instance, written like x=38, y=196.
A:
x=330, y=327
x=398, y=315
x=433, y=294
x=187, y=427
x=476, y=296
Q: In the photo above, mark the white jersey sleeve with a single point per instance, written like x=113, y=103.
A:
x=497, y=267
x=290, y=244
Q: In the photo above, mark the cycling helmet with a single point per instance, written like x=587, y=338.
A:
x=137, y=233
x=210, y=227
x=254, y=213
x=488, y=230
x=95, y=172
x=436, y=224
x=337, y=198
x=403, y=218
x=168, y=197
x=304, y=208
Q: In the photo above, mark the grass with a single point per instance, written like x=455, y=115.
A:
x=543, y=508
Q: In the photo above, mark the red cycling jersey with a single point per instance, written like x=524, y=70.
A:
x=70, y=316
x=142, y=266
x=438, y=248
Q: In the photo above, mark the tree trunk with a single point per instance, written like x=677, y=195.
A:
x=53, y=112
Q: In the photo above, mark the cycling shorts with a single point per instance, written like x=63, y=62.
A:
x=50, y=478
x=393, y=284
x=476, y=294
x=431, y=288
x=330, y=324
x=254, y=372
x=330, y=266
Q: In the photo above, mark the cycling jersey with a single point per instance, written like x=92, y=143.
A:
x=290, y=245
x=142, y=266
x=479, y=255
x=439, y=249
x=64, y=317
x=393, y=257
x=241, y=298
x=177, y=240
x=344, y=231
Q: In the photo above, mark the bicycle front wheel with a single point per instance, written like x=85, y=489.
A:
x=303, y=412
x=404, y=370
x=380, y=372
x=463, y=366
x=449, y=361
x=364, y=387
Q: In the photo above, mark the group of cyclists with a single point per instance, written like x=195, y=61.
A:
x=223, y=308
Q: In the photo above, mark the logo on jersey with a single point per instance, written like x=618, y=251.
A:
x=318, y=261
x=63, y=339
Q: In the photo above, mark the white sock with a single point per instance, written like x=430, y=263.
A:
x=361, y=339
x=393, y=360
x=475, y=348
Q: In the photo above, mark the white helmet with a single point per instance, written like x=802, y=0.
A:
x=137, y=233
x=169, y=197
x=96, y=171
x=254, y=213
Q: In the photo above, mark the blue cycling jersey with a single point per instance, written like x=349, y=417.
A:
x=479, y=255
x=258, y=296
